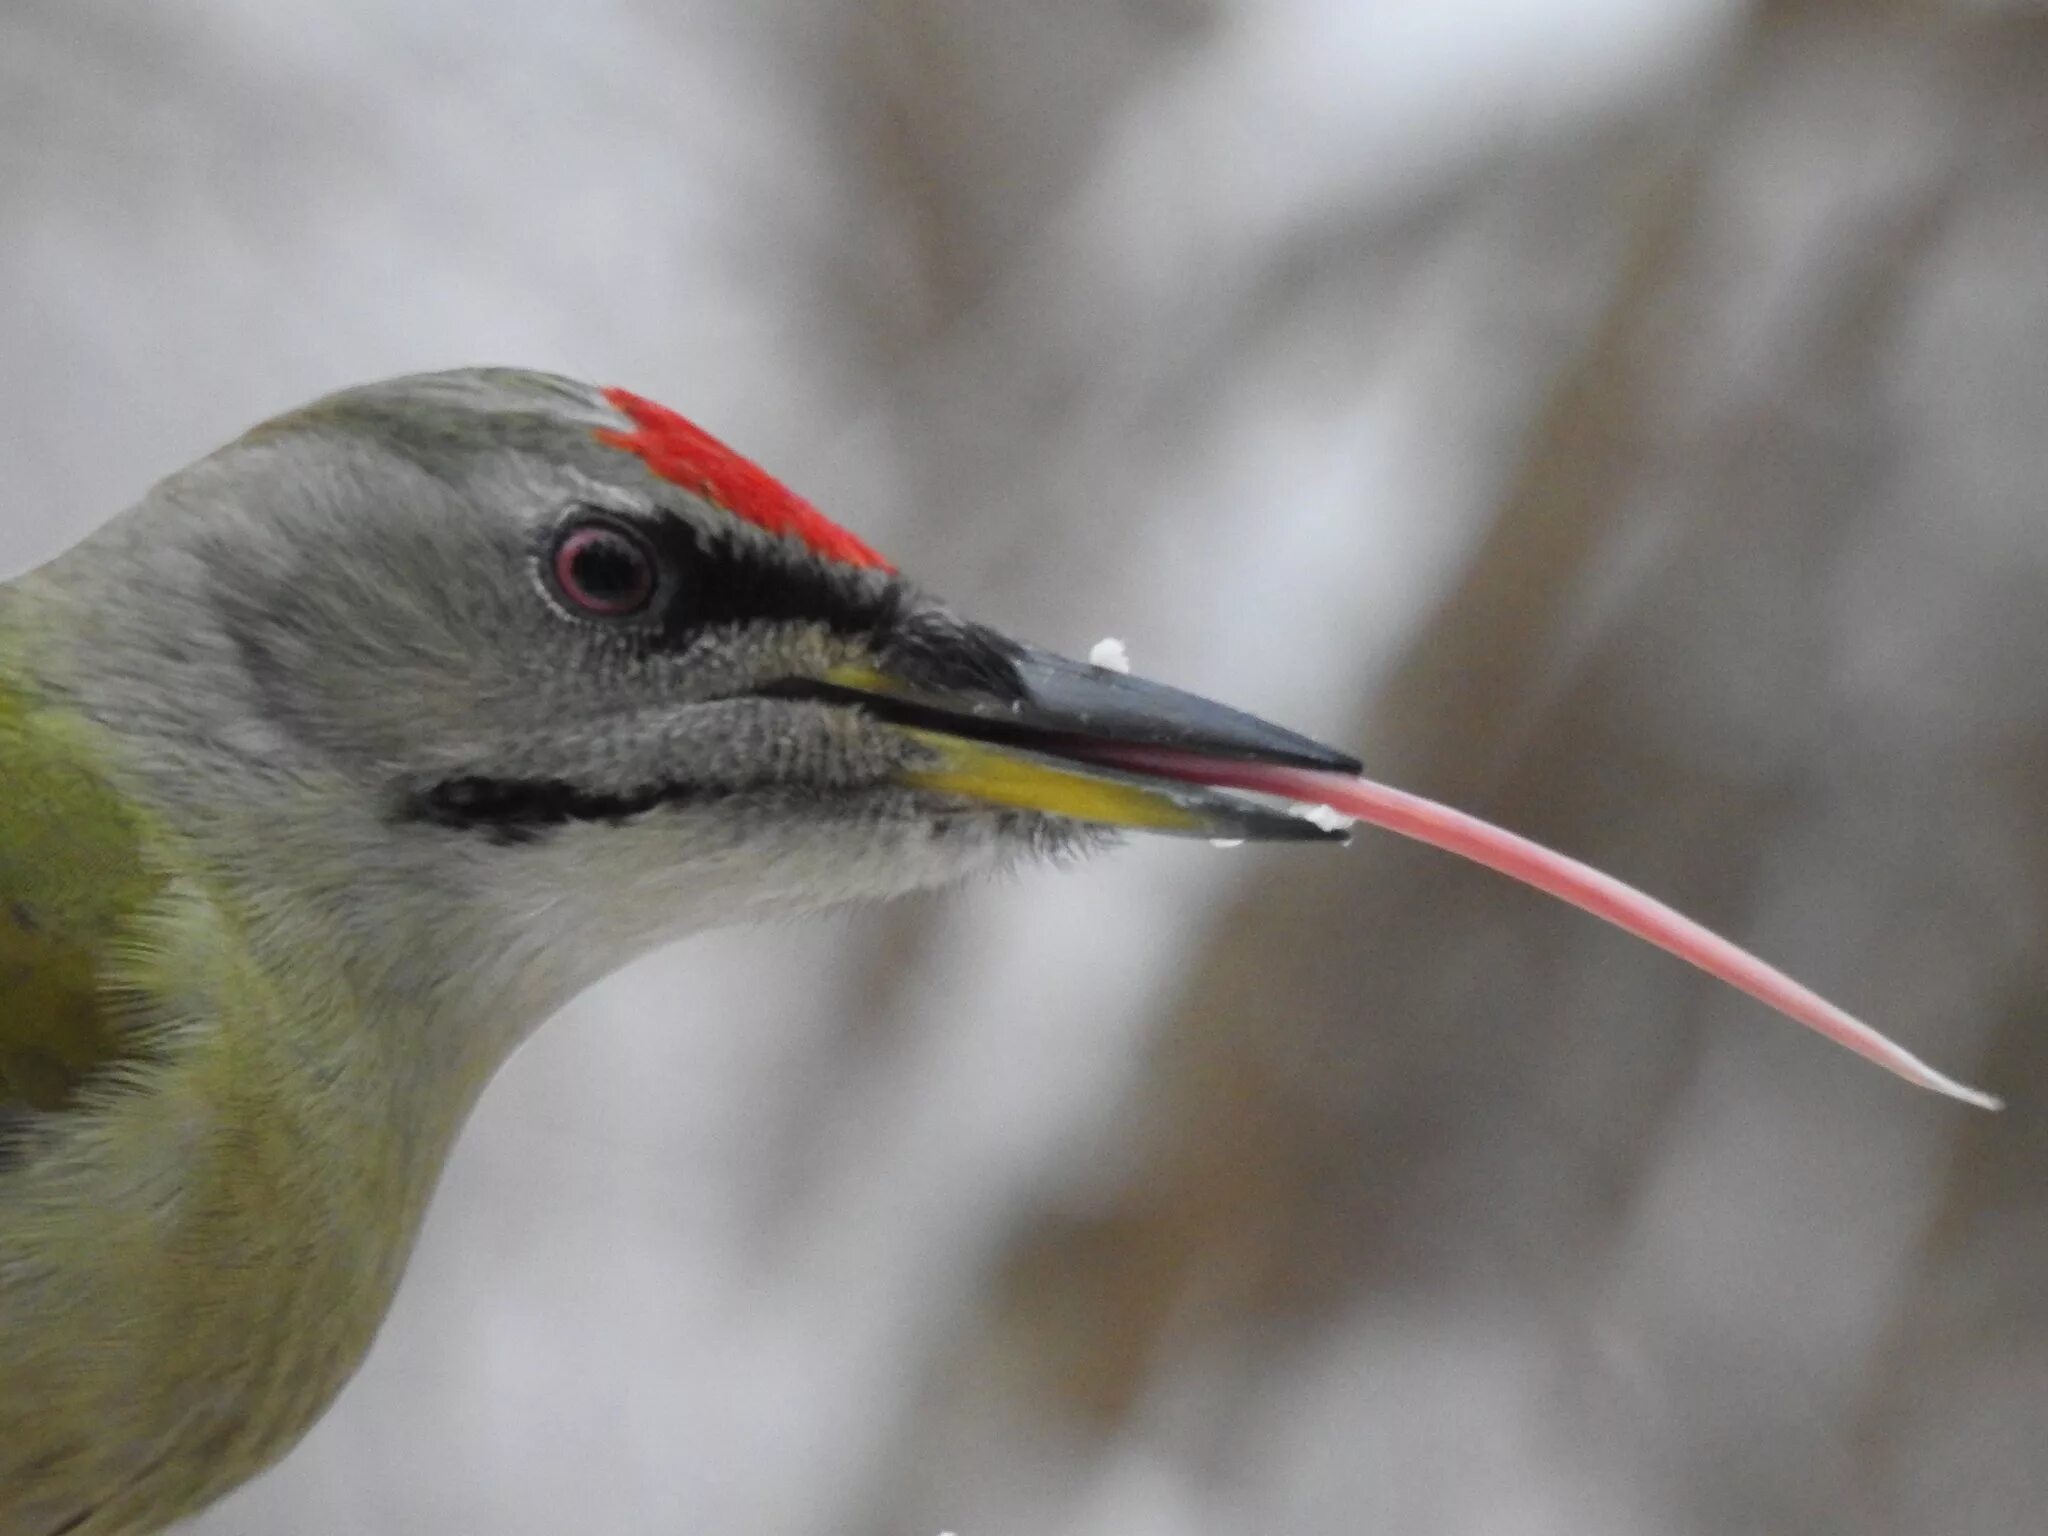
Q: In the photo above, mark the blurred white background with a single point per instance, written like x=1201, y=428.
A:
x=1623, y=418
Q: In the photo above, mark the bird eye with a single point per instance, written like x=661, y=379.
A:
x=602, y=569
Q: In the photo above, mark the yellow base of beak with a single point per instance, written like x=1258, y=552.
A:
x=979, y=770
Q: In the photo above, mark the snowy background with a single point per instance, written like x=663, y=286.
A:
x=1628, y=419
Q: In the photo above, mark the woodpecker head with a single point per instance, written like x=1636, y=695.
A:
x=498, y=647
x=476, y=684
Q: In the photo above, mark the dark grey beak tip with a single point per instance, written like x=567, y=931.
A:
x=1313, y=834
x=1072, y=698
x=1297, y=830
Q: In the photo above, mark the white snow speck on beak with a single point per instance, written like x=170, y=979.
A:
x=1109, y=654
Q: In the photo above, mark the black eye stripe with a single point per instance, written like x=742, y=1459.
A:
x=735, y=581
x=726, y=580
x=709, y=579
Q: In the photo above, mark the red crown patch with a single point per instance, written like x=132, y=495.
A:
x=687, y=455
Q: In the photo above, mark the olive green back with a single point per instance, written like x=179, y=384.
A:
x=72, y=879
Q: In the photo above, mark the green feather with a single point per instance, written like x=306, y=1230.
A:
x=73, y=883
x=183, y=1166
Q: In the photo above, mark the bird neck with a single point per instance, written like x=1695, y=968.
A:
x=352, y=921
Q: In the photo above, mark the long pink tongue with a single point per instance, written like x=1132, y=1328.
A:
x=1566, y=879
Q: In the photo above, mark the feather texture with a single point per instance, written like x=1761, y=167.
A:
x=182, y=1179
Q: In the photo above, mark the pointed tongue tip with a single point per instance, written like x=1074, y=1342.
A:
x=1567, y=879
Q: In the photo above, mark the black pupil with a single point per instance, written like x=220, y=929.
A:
x=608, y=571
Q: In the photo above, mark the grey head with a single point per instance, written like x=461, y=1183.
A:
x=497, y=672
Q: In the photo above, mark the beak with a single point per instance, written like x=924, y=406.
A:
x=1046, y=746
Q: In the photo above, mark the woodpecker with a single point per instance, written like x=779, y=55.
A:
x=338, y=764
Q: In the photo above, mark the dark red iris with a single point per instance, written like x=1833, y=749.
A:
x=603, y=569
